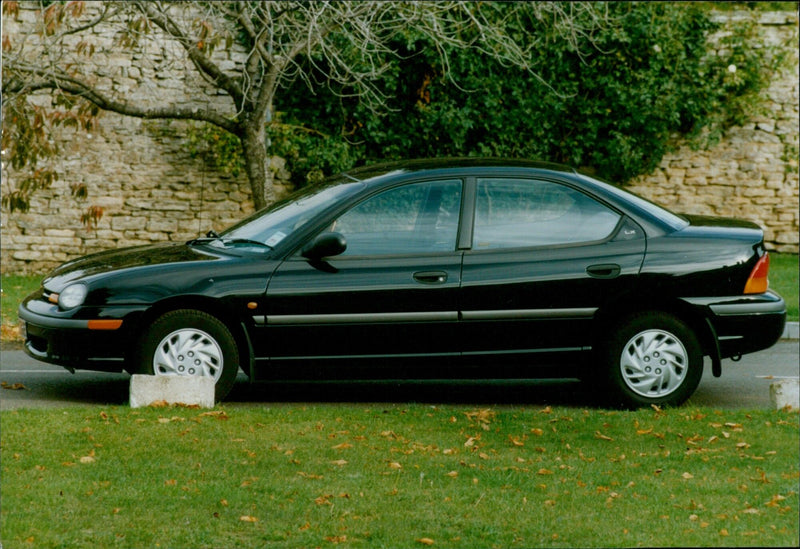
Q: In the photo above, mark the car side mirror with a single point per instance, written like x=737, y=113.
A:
x=324, y=245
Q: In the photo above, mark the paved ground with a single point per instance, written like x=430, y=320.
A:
x=743, y=384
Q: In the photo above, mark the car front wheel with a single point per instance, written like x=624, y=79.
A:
x=652, y=358
x=191, y=343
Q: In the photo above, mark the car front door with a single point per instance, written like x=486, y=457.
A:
x=544, y=257
x=390, y=296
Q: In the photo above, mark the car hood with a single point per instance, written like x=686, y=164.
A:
x=126, y=259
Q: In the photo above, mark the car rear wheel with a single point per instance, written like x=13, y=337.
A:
x=652, y=358
x=191, y=343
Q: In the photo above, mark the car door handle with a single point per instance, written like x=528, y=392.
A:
x=431, y=277
x=606, y=270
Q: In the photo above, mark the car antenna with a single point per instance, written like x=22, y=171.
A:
x=202, y=189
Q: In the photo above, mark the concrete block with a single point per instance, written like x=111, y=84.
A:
x=188, y=390
x=785, y=392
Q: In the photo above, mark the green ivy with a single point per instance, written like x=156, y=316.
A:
x=661, y=72
x=614, y=109
x=220, y=149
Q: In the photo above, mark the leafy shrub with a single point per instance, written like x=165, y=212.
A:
x=613, y=107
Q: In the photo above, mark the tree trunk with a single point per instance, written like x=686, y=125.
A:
x=257, y=165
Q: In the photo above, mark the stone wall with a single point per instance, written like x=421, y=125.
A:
x=149, y=186
x=753, y=172
x=151, y=189
x=141, y=173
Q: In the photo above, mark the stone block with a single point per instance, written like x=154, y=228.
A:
x=788, y=238
x=785, y=393
x=162, y=225
x=187, y=390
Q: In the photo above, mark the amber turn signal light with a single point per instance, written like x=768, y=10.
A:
x=104, y=324
x=758, y=281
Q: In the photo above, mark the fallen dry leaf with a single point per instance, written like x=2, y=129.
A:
x=9, y=333
x=311, y=476
x=248, y=518
x=13, y=387
x=484, y=416
x=342, y=446
x=425, y=541
x=339, y=462
x=219, y=414
x=774, y=502
x=323, y=500
x=601, y=436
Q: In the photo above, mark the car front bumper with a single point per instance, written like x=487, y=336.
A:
x=96, y=340
x=744, y=324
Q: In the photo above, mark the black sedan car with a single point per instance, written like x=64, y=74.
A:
x=458, y=268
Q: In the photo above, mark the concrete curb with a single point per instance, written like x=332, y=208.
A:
x=791, y=331
x=785, y=393
x=187, y=390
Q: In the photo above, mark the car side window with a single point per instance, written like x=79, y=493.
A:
x=414, y=218
x=513, y=213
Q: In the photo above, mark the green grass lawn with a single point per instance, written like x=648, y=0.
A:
x=783, y=278
x=388, y=475
x=13, y=289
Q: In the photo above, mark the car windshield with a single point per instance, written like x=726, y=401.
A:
x=276, y=222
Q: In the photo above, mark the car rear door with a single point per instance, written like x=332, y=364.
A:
x=544, y=257
x=391, y=296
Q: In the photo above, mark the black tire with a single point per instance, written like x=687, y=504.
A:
x=651, y=358
x=209, y=347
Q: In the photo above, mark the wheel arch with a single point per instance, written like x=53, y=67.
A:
x=613, y=313
x=208, y=305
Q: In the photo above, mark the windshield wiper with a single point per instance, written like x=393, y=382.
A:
x=210, y=236
x=245, y=241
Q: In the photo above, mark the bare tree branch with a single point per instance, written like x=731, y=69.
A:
x=202, y=63
x=250, y=52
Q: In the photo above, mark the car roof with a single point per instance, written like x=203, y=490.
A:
x=408, y=167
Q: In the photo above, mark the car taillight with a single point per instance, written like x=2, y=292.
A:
x=758, y=283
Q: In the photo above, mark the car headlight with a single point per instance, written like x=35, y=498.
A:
x=72, y=296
